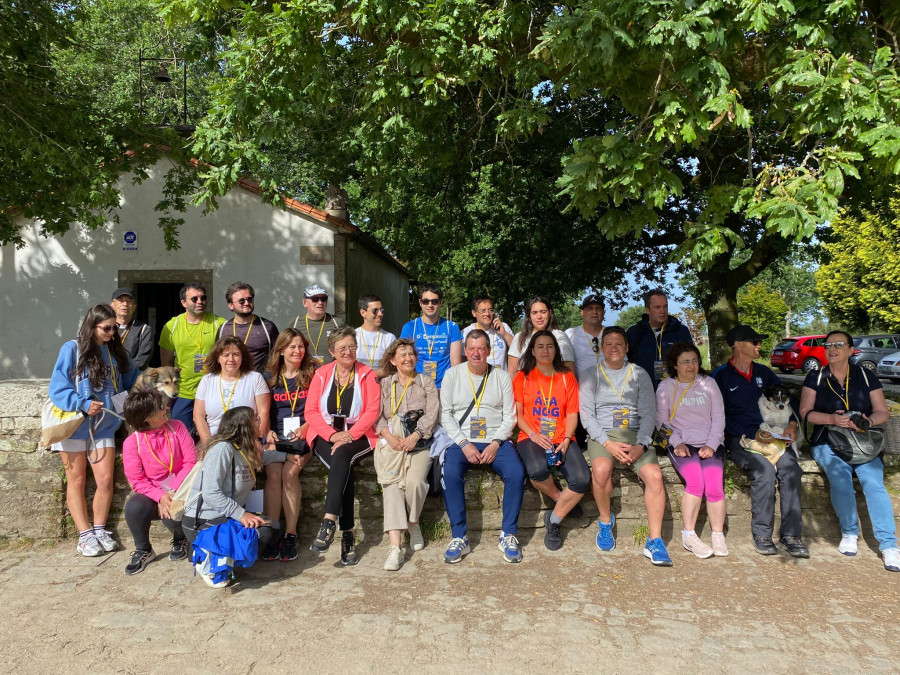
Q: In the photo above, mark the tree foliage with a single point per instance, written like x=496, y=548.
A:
x=764, y=311
x=630, y=315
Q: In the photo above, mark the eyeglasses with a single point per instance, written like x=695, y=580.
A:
x=319, y=298
x=836, y=345
x=378, y=310
x=486, y=312
x=198, y=298
x=345, y=350
x=244, y=301
x=689, y=362
x=105, y=329
x=595, y=345
x=430, y=301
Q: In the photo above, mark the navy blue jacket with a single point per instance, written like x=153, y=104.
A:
x=643, y=348
x=741, y=397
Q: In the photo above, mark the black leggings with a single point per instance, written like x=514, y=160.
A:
x=140, y=511
x=340, y=463
x=575, y=468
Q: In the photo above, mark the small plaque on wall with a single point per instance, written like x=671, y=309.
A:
x=317, y=255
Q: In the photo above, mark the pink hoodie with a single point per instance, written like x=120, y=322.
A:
x=144, y=471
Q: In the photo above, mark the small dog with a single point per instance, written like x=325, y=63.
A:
x=165, y=380
x=776, y=411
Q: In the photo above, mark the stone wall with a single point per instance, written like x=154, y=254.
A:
x=32, y=488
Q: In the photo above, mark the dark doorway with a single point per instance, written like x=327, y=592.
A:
x=156, y=304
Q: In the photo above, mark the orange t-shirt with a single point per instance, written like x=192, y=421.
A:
x=531, y=391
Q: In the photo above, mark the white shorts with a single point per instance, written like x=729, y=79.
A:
x=83, y=445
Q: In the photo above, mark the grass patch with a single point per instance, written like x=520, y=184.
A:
x=435, y=530
x=641, y=534
x=15, y=543
x=728, y=484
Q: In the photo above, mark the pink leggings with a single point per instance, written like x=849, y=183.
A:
x=702, y=477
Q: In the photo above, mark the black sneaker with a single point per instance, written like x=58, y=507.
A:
x=139, y=560
x=348, y=548
x=270, y=552
x=764, y=545
x=794, y=547
x=552, y=539
x=289, y=548
x=325, y=537
x=179, y=549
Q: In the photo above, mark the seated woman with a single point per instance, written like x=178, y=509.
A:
x=834, y=396
x=547, y=404
x=230, y=381
x=89, y=371
x=157, y=458
x=289, y=374
x=689, y=405
x=342, y=407
x=539, y=315
x=230, y=458
x=403, y=391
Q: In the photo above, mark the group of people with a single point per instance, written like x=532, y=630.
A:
x=439, y=401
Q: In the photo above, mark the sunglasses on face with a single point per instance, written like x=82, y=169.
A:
x=430, y=301
x=106, y=329
x=836, y=345
x=755, y=343
x=378, y=310
x=198, y=298
x=319, y=298
x=244, y=301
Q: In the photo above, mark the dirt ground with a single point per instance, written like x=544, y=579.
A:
x=573, y=610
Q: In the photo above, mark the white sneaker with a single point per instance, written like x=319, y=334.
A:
x=89, y=547
x=848, y=544
x=416, y=541
x=695, y=545
x=394, y=558
x=107, y=542
x=719, y=547
x=208, y=578
x=891, y=559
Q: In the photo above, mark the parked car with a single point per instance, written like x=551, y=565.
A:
x=889, y=367
x=870, y=349
x=805, y=352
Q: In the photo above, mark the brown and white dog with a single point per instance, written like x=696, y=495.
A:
x=165, y=380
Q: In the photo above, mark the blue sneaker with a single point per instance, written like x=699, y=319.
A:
x=605, y=539
x=456, y=550
x=509, y=545
x=655, y=549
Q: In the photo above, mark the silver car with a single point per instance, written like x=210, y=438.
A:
x=868, y=350
x=889, y=367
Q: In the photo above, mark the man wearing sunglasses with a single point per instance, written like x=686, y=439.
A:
x=499, y=332
x=317, y=323
x=438, y=341
x=742, y=382
x=371, y=339
x=185, y=342
x=254, y=331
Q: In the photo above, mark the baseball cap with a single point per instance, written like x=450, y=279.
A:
x=119, y=292
x=742, y=333
x=313, y=291
x=593, y=299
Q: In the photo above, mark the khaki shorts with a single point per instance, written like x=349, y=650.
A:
x=597, y=451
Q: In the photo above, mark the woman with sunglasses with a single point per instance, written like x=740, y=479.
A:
x=846, y=396
x=342, y=407
x=539, y=315
x=89, y=372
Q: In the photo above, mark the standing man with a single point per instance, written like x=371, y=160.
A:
x=478, y=412
x=438, y=340
x=137, y=336
x=185, y=342
x=371, y=340
x=585, y=338
x=316, y=323
x=618, y=409
x=499, y=333
x=256, y=333
x=650, y=338
x=742, y=382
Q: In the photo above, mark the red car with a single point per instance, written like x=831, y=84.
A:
x=805, y=353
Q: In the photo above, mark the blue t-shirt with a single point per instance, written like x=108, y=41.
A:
x=433, y=344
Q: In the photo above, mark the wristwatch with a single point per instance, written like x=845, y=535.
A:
x=498, y=441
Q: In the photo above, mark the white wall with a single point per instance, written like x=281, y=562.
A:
x=47, y=286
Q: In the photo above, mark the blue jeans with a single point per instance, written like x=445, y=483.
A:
x=507, y=465
x=843, y=496
x=183, y=411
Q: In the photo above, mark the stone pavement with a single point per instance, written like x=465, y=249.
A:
x=575, y=610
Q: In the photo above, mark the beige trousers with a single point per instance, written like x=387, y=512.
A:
x=402, y=505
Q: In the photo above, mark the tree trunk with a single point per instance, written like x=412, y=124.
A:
x=720, y=306
x=787, y=323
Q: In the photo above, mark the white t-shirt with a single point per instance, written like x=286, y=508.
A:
x=585, y=358
x=370, y=346
x=565, y=346
x=214, y=392
x=497, y=357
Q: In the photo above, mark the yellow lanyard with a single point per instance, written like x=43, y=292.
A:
x=112, y=370
x=846, y=397
x=230, y=396
x=544, y=396
x=340, y=390
x=319, y=339
x=658, y=341
x=292, y=399
x=395, y=408
x=249, y=328
x=433, y=337
x=150, y=448
x=127, y=330
x=624, y=385
x=683, y=394
x=372, y=356
x=191, y=335
x=483, y=389
x=591, y=344
x=248, y=464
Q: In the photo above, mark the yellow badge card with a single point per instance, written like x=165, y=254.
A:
x=199, y=360
x=620, y=418
x=429, y=369
x=478, y=428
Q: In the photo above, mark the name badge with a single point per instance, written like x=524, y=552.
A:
x=662, y=436
x=168, y=482
x=318, y=359
x=660, y=372
x=548, y=426
x=620, y=418
x=291, y=424
x=429, y=369
x=478, y=428
x=199, y=360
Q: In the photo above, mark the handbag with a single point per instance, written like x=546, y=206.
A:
x=855, y=447
x=179, y=499
x=57, y=424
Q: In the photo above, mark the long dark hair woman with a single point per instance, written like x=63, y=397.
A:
x=547, y=404
x=290, y=371
x=89, y=371
x=231, y=458
x=539, y=315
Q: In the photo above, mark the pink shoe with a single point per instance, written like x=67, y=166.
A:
x=693, y=544
x=719, y=548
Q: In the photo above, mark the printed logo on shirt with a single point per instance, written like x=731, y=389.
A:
x=542, y=408
x=287, y=397
x=759, y=382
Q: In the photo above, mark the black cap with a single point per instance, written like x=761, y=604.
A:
x=742, y=333
x=119, y=292
x=593, y=299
